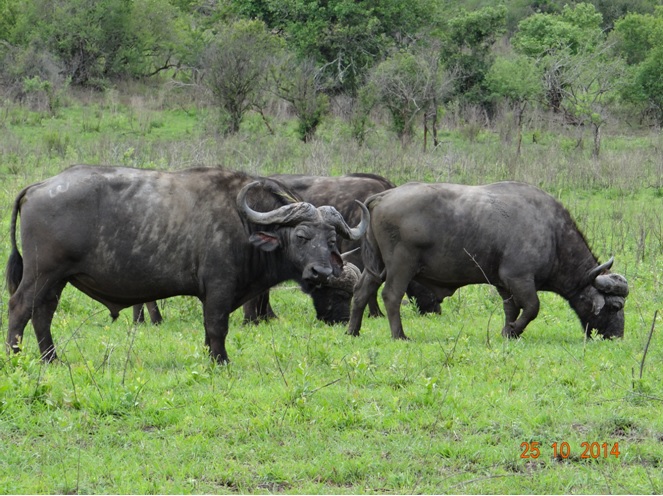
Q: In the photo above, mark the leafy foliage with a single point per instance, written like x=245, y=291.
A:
x=236, y=63
x=575, y=29
x=345, y=37
x=407, y=84
x=301, y=84
x=466, y=48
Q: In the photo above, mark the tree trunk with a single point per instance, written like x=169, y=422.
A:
x=520, y=111
x=434, y=119
x=597, y=141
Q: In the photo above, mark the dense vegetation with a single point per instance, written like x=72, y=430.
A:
x=567, y=98
x=586, y=62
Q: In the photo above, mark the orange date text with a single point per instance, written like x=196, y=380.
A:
x=586, y=450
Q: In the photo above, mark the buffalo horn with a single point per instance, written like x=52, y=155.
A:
x=294, y=212
x=331, y=215
x=612, y=284
x=601, y=268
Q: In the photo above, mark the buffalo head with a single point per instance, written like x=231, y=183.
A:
x=332, y=300
x=600, y=304
x=309, y=242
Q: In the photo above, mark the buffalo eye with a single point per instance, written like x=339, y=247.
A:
x=302, y=235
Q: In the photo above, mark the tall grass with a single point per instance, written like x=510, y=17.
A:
x=161, y=130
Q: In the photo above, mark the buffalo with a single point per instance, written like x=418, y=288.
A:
x=331, y=300
x=510, y=235
x=125, y=236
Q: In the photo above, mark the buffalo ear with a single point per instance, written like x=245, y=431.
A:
x=264, y=240
x=598, y=303
x=336, y=259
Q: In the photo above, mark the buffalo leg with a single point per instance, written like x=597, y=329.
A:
x=366, y=290
x=511, y=310
x=258, y=309
x=425, y=299
x=42, y=316
x=216, y=330
x=153, y=310
x=19, y=316
x=392, y=294
x=524, y=296
x=139, y=314
x=373, y=307
x=29, y=303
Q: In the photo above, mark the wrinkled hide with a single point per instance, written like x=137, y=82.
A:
x=510, y=235
x=126, y=236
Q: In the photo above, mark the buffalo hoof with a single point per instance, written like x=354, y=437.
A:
x=49, y=356
x=510, y=332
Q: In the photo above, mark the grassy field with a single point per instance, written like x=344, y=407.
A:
x=304, y=408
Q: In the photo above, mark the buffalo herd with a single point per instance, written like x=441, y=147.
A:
x=127, y=236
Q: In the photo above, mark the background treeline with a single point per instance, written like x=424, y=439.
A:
x=411, y=60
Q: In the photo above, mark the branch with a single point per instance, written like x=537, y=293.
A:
x=644, y=355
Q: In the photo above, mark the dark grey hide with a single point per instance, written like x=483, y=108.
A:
x=125, y=236
x=332, y=301
x=511, y=235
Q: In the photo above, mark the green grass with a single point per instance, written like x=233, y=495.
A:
x=304, y=408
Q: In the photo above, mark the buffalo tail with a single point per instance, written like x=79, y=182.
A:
x=371, y=256
x=14, y=272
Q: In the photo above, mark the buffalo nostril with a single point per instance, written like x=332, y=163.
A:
x=317, y=273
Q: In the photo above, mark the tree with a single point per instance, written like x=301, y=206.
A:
x=650, y=81
x=518, y=80
x=8, y=17
x=408, y=83
x=551, y=39
x=635, y=35
x=236, y=65
x=639, y=38
x=155, y=34
x=301, y=83
x=467, y=43
x=592, y=81
x=94, y=40
x=344, y=38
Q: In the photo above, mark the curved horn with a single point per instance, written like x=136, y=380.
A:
x=601, y=268
x=612, y=284
x=331, y=215
x=346, y=255
x=282, y=215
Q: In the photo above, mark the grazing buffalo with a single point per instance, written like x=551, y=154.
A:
x=125, y=236
x=510, y=235
x=332, y=301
